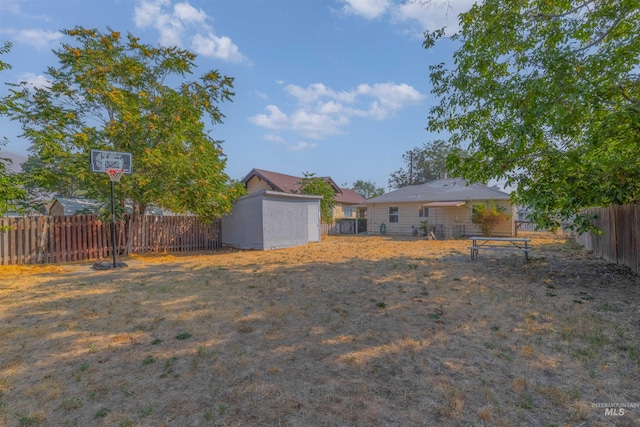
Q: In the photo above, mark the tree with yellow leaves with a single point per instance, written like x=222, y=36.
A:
x=115, y=93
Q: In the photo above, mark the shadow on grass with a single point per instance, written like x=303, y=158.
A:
x=284, y=338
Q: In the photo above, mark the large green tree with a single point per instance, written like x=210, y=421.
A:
x=546, y=95
x=367, y=189
x=115, y=93
x=422, y=164
x=314, y=185
x=12, y=194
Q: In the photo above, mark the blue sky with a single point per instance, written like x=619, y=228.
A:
x=339, y=88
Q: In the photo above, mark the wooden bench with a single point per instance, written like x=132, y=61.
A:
x=511, y=244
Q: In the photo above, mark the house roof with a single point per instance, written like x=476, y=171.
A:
x=441, y=190
x=349, y=196
x=77, y=205
x=289, y=183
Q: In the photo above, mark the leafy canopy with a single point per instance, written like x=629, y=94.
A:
x=546, y=95
x=114, y=93
x=313, y=185
x=422, y=164
x=367, y=189
x=488, y=217
x=12, y=193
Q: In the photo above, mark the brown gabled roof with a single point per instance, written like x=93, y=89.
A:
x=277, y=181
x=289, y=183
x=349, y=196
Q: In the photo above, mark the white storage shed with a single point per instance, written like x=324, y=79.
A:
x=272, y=220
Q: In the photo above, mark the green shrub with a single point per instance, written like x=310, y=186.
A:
x=487, y=217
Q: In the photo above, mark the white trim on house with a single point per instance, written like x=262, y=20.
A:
x=443, y=204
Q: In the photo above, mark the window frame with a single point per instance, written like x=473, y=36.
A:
x=394, y=214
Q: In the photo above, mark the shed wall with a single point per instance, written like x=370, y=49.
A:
x=286, y=222
x=243, y=228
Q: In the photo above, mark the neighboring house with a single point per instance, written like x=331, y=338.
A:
x=445, y=203
x=347, y=201
x=63, y=206
x=523, y=213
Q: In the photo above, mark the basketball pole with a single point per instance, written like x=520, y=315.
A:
x=113, y=225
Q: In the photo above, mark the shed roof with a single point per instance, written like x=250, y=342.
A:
x=441, y=190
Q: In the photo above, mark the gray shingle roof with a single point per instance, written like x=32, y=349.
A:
x=441, y=190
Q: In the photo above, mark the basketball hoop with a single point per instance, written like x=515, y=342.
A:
x=114, y=174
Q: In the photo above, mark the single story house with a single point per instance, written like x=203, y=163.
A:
x=446, y=205
x=63, y=206
x=271, y=220
x=347, y=200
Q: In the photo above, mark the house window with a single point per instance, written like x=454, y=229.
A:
x=348, y=211
x=393, y=214
x=423, y=212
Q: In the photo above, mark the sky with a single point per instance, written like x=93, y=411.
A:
x=338, y=88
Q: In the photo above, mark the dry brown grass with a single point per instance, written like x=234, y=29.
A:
x=357, y=331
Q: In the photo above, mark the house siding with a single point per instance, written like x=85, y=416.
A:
x=448, y=217
x=338, y=211
x=256, y=184
x=56, y=209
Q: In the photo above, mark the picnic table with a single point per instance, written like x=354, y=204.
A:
x=512, y=244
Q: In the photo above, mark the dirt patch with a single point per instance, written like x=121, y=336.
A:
x=350, y=331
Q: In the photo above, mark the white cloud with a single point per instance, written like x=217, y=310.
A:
x=316, y=91
x=415, y=15
x=432, y=15
x=187, y=13
x=216, y=47
x=274, y=138
x=33, y=36
x=274, y=119
x=147, y=12
x=303, y=146
x=11, y=6
x=317, y=125
x=34, y=81
x=368, y=9
x=322, y=111
x=389, y=97
x=184, y=21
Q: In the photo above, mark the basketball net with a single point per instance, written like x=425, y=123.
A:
x=114, y=174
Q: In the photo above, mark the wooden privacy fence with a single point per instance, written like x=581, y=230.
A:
x=46, y=239
x=620, y=239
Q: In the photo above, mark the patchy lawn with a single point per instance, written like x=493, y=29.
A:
x=353, y=331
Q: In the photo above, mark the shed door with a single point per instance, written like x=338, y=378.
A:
x=313, y=218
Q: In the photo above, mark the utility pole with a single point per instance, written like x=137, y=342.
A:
x=410, y=167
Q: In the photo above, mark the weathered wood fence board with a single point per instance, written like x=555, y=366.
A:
x=620, y=239
x=44, y=239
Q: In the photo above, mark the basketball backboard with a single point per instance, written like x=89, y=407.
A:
x=101, y=160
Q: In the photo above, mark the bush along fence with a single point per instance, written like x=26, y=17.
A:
x=620, y=239
x=46, y=239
